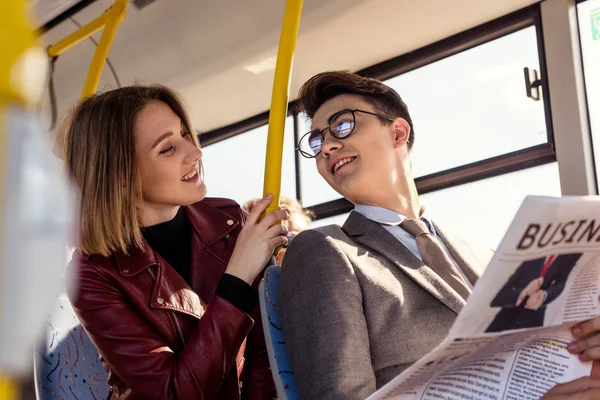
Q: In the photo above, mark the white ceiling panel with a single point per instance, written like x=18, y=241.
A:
x=46, y=10
x=219, y=54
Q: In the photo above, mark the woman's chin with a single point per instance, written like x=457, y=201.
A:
x=201, y=192
x=192, y=195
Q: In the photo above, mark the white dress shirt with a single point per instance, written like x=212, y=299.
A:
x=391, y=220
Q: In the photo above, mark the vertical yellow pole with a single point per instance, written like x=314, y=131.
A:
x=9, y=390
x=279, y=101
x=8, y=387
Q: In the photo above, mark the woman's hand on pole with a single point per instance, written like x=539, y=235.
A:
x=257, y=241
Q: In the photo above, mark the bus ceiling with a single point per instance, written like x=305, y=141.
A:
x=221, y=55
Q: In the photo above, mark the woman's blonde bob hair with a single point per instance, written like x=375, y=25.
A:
x=100, y=160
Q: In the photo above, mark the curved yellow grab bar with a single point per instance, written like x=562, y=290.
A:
x=110, y=21
x=279, y=101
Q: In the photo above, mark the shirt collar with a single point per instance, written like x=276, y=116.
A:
x=385, y=216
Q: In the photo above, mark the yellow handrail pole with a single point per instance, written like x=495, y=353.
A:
x=17, y=88
x=77, y=37
x=9, y=389
x=279, y=101
x=114, y=16
x=110, y=21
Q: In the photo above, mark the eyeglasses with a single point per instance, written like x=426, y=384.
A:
x=341, y=125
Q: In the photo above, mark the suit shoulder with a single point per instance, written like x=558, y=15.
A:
x=334, y=231
x=322, y=244
x=320, y=234
x=315, y=257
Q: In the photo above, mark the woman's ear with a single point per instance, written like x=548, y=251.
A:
x=401, y=131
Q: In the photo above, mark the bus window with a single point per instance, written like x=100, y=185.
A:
x=468, y=107
x=473, y=105
x=235, y=167
x=497, y=201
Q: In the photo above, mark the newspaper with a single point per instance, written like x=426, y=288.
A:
x=510, y=339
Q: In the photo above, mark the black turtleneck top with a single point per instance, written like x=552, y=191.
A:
x=172, y=240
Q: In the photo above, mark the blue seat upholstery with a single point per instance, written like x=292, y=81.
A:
x=278, y=359
x=67, y=365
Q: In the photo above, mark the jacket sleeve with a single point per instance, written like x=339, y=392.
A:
x=258, y=381
x=141, y=358
x=508, y=295
x=324, y=326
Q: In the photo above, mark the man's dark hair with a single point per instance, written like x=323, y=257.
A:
x=327, y=85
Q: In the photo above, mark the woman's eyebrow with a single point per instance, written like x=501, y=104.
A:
x=160, y=139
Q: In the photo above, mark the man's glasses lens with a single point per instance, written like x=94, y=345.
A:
x=310, y=144
x=315, y=141
x=340, y=127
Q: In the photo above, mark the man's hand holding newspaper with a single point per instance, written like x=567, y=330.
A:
x=587, y=343
x=531, y=327
x=586, y=388
x=588, y=348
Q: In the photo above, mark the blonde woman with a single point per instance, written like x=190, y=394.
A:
x=166, y=277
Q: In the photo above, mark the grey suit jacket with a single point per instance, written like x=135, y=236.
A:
x=357, y=307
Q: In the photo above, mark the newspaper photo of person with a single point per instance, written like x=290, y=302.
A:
x=535, y=284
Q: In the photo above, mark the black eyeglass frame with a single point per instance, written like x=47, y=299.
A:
x=332, y=119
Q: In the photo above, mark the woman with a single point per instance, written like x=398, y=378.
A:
x=164, y=275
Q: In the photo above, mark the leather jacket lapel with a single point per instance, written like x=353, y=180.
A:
x=214, y=235
x=171, y=292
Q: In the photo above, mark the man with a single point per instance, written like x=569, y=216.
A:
x=362, y=302
x=534, y=285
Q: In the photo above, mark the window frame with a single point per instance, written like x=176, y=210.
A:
x=585, y=89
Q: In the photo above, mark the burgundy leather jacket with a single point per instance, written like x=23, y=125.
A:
x=160, y=338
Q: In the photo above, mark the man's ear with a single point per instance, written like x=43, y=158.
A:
x=401, y=130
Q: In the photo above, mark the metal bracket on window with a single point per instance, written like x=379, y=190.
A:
x=533, y=89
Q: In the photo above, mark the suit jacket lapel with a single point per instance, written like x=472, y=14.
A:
x=371, y=235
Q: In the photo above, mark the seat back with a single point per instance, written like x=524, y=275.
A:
x=66, y=363
x=278, y=359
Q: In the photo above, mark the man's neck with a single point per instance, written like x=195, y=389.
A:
x=403, y=199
